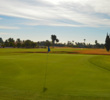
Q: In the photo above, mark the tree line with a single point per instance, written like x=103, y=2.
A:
x=18, y=43
x=10, y=42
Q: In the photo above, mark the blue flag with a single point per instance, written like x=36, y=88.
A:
x=48, y=49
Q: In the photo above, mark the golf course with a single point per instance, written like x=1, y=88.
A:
x=68, y=74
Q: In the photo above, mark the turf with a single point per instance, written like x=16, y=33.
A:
x=69, y=76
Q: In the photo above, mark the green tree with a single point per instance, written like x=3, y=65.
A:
x=18, y=43
x=27, y=43
x=6, y=43
x=11, y=42
x=1, y=42
x=47, y=43
x=34, y=44
x=107, y=43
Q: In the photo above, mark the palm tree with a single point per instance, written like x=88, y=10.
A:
x=54, y=38
x=57, y=40
x=96, y=42
x=73, y=42
x=84, y=41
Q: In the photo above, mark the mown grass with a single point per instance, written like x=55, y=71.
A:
x=37, y=50
x=69, y=76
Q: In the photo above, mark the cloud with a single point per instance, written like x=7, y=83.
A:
x=8, y=27
x=52, y=24
x=3, y=33
x=91, y=13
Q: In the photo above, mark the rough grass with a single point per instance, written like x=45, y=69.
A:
x=69, y=76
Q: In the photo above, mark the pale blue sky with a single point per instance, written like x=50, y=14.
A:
x=68, y=19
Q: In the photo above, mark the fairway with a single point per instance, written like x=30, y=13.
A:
x=69, y=76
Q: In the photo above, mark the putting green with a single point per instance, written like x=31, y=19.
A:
x=69, y=76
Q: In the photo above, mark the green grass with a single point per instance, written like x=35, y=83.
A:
x=69, y=76
x=19, y=50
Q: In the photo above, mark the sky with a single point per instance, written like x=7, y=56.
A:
x=69, y=20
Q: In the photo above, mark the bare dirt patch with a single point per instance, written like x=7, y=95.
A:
x=93, y=51
x=81, y=51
